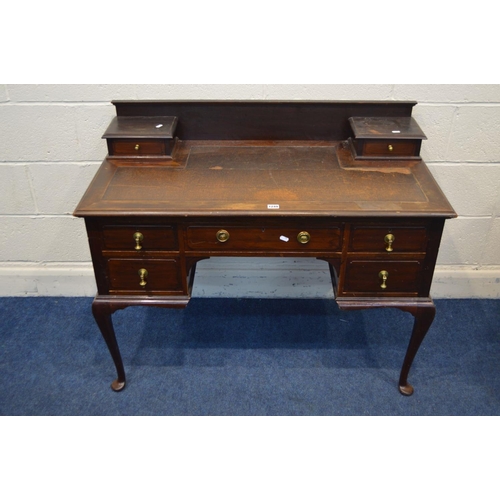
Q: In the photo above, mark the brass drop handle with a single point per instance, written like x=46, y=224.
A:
x=143, y=274
x=137, y=147
x=138, y=237
x=390, y=148
x=389, y=240
x=222, y=235
x=383, y=275
x=303, y=237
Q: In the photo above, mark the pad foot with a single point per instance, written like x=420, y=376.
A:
x=117, y=385
x=406, y=390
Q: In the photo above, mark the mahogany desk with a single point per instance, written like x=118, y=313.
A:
x=339, y=181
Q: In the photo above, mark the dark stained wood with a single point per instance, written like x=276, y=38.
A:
x=391, y=148
x=424, y=314
x=423, y=310
x=164, y=276
x=263, y=173
x=131, y=127
x=362, y=277
x=263, y=120
x=154, y=237
x=281, y=239
x=389, y=137
x=386, y=128
x=136, y=147
x=371, y=238
x=129, y=136
x=102, y=313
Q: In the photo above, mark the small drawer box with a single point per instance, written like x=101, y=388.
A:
x=139, y=136
x=389, y=138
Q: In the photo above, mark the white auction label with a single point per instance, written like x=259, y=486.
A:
x=273, y=206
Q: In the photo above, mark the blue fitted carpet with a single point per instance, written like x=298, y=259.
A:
x=247, y=357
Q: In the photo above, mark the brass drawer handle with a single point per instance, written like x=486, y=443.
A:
x=143, y=274
x=390, y=148
x=222, y=235
x=137, y=147
x=138, y=237
x=383, y=275
x=304, y=237
x=389, y=239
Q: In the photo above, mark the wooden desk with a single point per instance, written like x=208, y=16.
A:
x=185, y=181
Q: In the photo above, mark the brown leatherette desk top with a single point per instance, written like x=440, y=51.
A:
x=242, y=178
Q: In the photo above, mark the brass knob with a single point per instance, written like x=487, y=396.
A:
x=390, y=148
x=138, y=237
x=222, y=235
x=389, y=239
x=303, y=237
x=137, y=147
x=143, y=274
x=383, y=275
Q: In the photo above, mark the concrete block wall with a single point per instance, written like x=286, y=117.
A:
x=51, y=146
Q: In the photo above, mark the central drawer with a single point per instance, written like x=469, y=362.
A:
x=265, y=239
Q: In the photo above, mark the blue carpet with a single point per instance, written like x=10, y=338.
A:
x=247, y=357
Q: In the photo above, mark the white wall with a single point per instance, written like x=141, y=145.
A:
x=51, y=146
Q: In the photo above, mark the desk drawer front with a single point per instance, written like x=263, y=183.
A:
x=390, y=148
x=144, y=276
x=388, y=239
x=270, y=239
x=137, y=147
x=382, y=277
x=139, y=238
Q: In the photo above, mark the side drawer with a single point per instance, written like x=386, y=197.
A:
x=264, y=239
x=389, y=239
x=139, y=237
x=144, y=276
x=382, y=276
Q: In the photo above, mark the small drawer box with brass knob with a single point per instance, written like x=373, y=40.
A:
x=139, y=136
x=376, y=138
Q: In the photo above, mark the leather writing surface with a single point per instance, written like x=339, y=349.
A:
x=269, y=179
x=231, y=177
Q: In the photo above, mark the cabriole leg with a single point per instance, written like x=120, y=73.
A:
x=424, y=316
x=102, y=313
